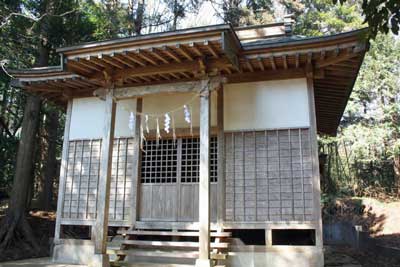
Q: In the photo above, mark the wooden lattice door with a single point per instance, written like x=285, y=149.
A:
x=169, y=179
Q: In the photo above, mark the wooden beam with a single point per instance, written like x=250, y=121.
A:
x=204, y=183
x=184, y=52
x=221, y=156
x=171, y=54
x=111, y=61
x=134, y=59
x=297, y=56
x=334, y=59
x=211, y=49
x=273, y=65
x=260, y=64
x=266, y=75
x=285, y=63
x=88, y=64
x=120, y=58
x=154, y=53
x=141, y=54
x=249, y=66
x=141, y=91
x=63, y=173
x=191, y=66
x=136, y=166
x=315, y=163
x=193, y=46
x=100, y=228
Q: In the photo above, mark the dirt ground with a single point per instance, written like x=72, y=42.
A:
x=343, y=256
x=381, y=218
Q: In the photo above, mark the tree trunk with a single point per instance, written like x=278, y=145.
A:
x=396, y=169
x=50, y=168
x=14, y=225
x=139, y=17
x=15, y=219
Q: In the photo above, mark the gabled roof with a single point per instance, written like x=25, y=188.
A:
x=242, y=55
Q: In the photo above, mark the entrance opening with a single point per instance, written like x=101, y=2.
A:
x=250, y=236
x=293, y=237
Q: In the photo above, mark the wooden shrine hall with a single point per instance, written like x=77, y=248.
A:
x=196, y=146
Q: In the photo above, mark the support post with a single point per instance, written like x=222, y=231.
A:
x=315, y=165
x=136, y=165
x=221, y=156
x=100, y=230
x=63, y=173
x=204, y=184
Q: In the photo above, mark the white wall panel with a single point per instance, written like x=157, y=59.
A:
x=266, y=105
x=87, y=119
x=247, y=106
x=159, y=104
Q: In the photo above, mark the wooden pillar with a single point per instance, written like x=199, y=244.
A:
x=221, y=157
x=315, y=164
x=63, y=172
x=136, y=165
x=101, y=224
x=204, y=183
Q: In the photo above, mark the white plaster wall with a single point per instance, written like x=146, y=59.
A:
x=87, y=120
x=247, y=106
x=266, y=105
x=160, y=104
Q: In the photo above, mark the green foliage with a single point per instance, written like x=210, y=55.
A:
x=368, y=141
x=382, y=16
x=322, y=17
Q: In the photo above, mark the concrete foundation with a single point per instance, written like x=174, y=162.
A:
x=278, y=256
x=82, y=252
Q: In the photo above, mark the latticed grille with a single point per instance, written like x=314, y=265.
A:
x=160, y=161
x=191, y=160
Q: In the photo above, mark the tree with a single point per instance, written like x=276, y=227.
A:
x=322, y=17
x=381, y=15
x=241, y=13
x=42, y=34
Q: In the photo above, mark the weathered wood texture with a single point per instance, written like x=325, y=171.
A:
x=269, y=176
x=172, y=193
x=81, y=184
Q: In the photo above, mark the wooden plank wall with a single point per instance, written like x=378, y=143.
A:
x=178, y=202
x=269, y=176
x=81, y=185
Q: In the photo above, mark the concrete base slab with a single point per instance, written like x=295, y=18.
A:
x=283, y=256
x=73, y=252
x=203, y=263
x=41, y=262
x=99, y=260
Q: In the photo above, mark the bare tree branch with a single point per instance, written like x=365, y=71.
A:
x=7, y=19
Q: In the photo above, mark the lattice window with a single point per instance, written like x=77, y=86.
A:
x=159, y=161
x=191, y=160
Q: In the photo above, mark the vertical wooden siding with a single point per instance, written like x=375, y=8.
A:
x=269, y=176
x=81, y=185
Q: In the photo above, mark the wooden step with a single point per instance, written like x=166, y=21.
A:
x=171, y=233
x=169, y=244
x=127, y=264
x=149, y=264
x=165, y=254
